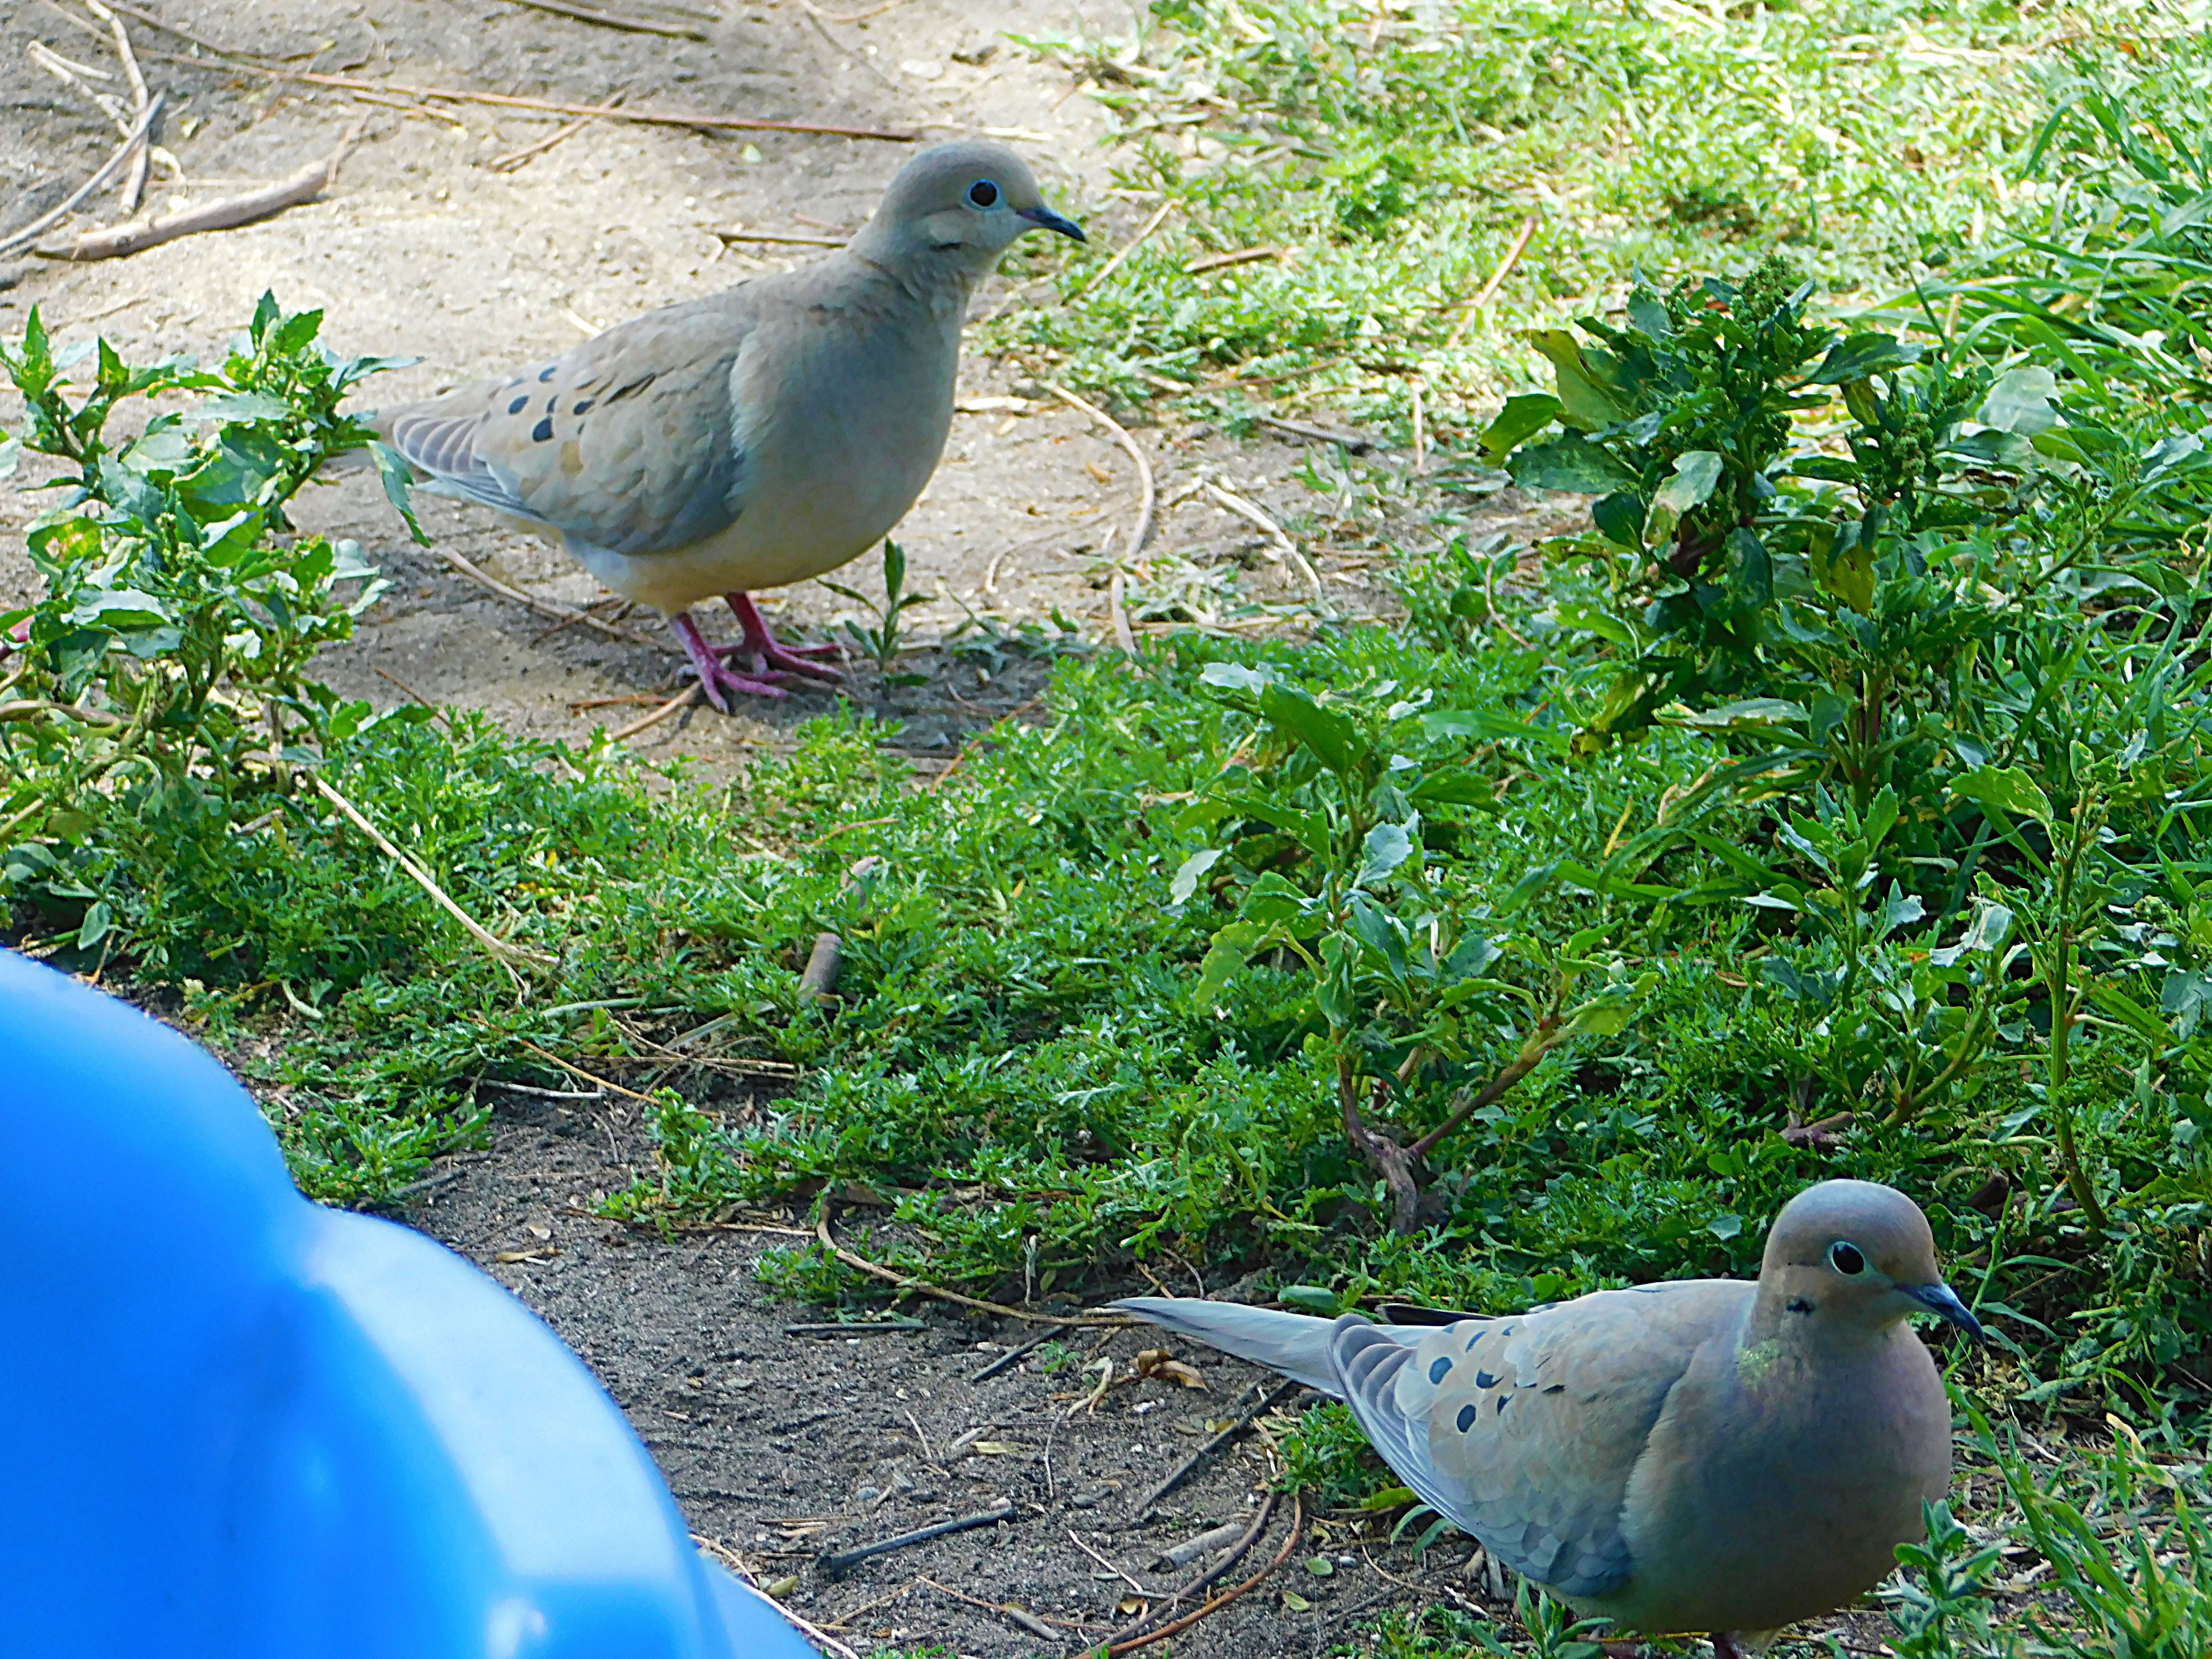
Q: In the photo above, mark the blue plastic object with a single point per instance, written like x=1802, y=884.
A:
x=234, y=1423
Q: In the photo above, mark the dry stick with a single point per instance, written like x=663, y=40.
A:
x=413, y=695
x=1123, y=635
x=921, y=1288
x=515, y=158
x=1125, y=251
x=850, y=17
x=1144, y=467
x=37, y=226
x=623, y=608
x=134, y=182
x=1490, y=288
x=1012, y=1357
x=1109, y=1566
x=1182, y=1592
x=578, y=1071
x=305, y=186
x=691, y=695
x=793, y=241
x=1420, y=445
x=837, y=1563
x=1254, y=515
x=1297, y=1524
x=546, y=607
x=617, y=20
x=823, y=963
x=239, y=61
x=1035, y=1623
x=1243, y=256
x=500, y=950
x=1183, y=1470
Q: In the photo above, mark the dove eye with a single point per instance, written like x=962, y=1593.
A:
x=983, y=193
x=1848, y=1258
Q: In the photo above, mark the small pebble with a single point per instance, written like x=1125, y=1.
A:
x=867, y=1494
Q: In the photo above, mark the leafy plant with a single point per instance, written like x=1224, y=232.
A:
x=163, y=670
x=882, y=640
x=1409, y=976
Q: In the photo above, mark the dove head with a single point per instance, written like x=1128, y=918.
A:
x=1854, y=1256
x=957, y=207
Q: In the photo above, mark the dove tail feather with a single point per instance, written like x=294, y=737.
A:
x=1296, y=1345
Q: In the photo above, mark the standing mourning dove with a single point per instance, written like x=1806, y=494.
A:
x=765, y=435
x=1699, y=1456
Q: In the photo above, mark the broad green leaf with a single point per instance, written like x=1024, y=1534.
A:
x=1271, y=900
x=1619, y=518
x=1747, y=713
x=1232, y=946
x=1382, y=934
x=1881, y=815
x=1386, y=847
x=1584, y=401
x=1311, y=1298
x=1987, y=932
x=240, y=406
x=119, y=607
x=1458, y=786
x=398, y=479
x=95, y=928
x=1696, y=473
x=1571, y=462
x=2020, y=401
x=1860, y=355
x=1522, y=418
x=2004, y=789
x=1330, y=735
x=1232, y=676
x=1488, y=723
x=1188, y=871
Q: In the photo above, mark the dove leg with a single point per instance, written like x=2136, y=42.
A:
x=766, y=655
x=718, y=681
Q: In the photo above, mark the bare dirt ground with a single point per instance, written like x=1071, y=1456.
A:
x=778, y=1446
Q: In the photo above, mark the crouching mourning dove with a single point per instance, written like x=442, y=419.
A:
x=1697, y=1456
x=759, y=436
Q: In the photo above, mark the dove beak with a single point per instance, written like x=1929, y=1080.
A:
x=1045, y=219
x=1943, y=1301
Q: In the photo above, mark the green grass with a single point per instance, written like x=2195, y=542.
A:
x=1688, y=838
x=1397, y=149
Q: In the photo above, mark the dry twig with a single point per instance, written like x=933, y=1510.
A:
x=39, y=226
x=617, y=20
x=922, y=1288
x=140, y=234
x=134, y=182
x=696, y=692
x=1497, y=276
x=1125, y=251
x=547, y=608
x=1253, y=514
x=1144, y=532
x=1183, y=1470
x=500, y=950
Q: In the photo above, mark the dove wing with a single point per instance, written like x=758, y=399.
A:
x=1524, y=1431
x=625, y=444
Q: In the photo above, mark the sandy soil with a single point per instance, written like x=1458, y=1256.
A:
x=422, y=250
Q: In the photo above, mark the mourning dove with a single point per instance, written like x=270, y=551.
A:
x=759, y=436
x=1707, y=1455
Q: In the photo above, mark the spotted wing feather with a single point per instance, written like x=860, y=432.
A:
x=1525, y=1430
x=628, y=443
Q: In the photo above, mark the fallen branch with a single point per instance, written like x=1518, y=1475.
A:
x=1243, y=256
x=1183, y=1471
x=1124, y=635
x=547, y=608
x=1036, y=1624
x=140, y=234
x=793, y=242
x=1126, y=250
x=1497, y=276
x=837, y=1562
x=1151, y=495
x=1252, y=513
x=515, y=158
x=510, y=101
x=1011, y=1357
x=823, y=963
x=500, y=950
x=921, y=1288
x=617, y=20
x=1140, y=1633
x=134, y=182
x=39, y=226
x=695, y=692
